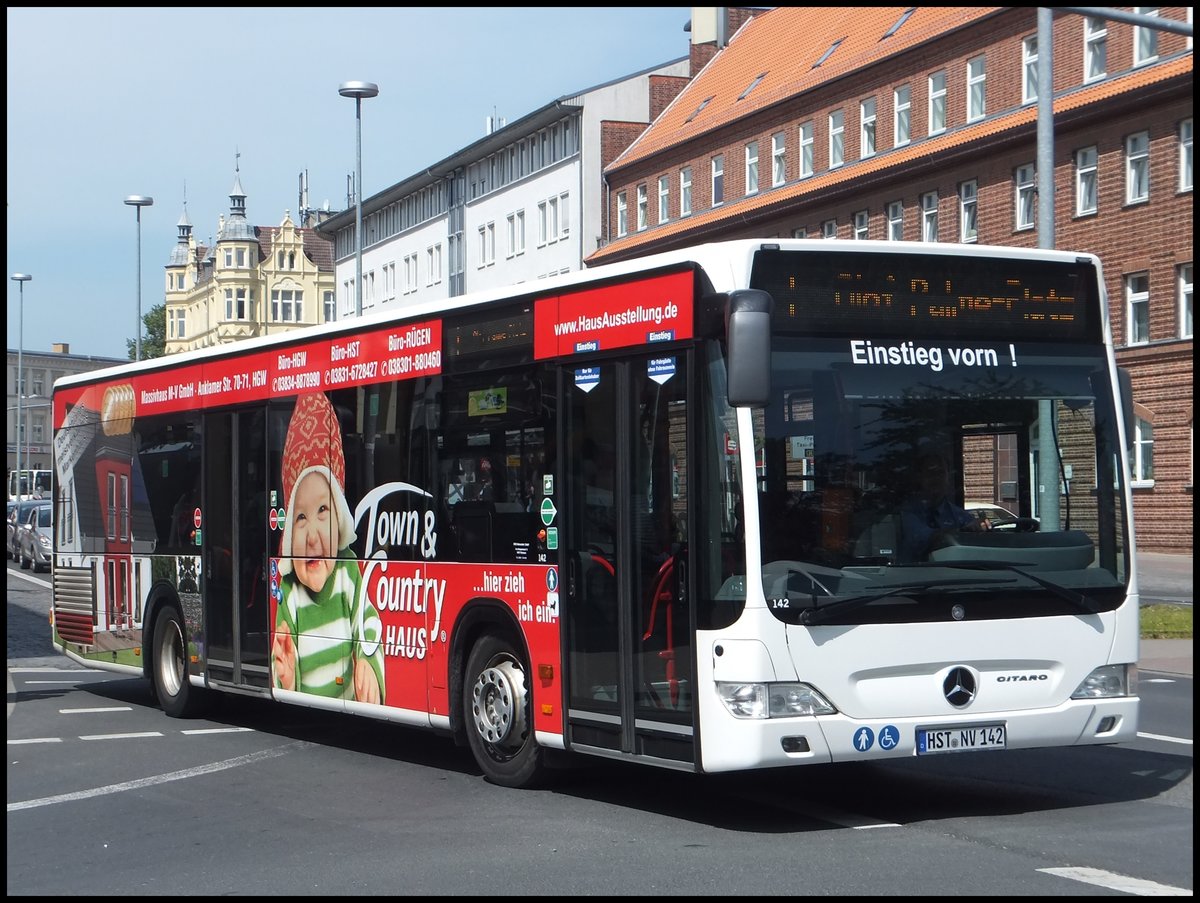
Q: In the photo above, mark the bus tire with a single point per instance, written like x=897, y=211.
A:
x=169, y=666
x=498, y=709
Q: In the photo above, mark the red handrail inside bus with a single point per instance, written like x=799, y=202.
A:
x=662, y=593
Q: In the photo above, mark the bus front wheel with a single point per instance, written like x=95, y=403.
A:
x=176, y=696
x=498, y=709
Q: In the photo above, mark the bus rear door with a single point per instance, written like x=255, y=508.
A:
x=234, y=539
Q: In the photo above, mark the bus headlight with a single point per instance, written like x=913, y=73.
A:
x=774, y=700
x=1107, y=682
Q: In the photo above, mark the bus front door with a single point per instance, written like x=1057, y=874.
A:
x=234, y=540
x=628, y=616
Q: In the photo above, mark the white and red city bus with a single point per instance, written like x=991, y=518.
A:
x=653, y=511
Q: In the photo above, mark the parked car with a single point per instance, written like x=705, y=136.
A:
x=35, y=539
x=17, y=516
x=1001, y=518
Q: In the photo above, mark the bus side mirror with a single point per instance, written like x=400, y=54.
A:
x=748, y=338
x=1126, y=385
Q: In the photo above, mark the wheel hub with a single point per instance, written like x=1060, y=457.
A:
x=498, y=704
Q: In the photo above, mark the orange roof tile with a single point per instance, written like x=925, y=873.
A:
x=785, y=43
x=1024, y=116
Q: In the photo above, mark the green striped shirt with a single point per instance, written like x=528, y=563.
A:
x=327, y=628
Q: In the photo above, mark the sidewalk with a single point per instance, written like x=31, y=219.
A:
x=1168, y=656
x=1165, y=578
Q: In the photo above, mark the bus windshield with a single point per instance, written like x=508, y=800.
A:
x=901, y=472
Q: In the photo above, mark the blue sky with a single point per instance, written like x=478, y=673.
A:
x=111, y=102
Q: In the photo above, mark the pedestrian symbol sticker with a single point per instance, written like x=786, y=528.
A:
x=864, y=739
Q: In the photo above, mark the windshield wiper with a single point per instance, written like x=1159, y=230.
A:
x=821, y=613
x=1082, y=602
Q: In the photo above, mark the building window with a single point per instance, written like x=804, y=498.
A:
x=330, y=309
x=622, y=214
x=1029, y=70
x=685, y=191
x=1025, y=183
x=902, y=116
x=929, y=216
x=516, y=233
x=861, y=222
x=1185, y=155
x=895, y=221
x=433, y=264
x=800, y=232
x=1095, y=48
x=664, y=199
x=718, y=179
x=806, y=150
x=866, y=120
x=829, y=228
x=1142, y=462
x=1085, y=181
x=1145, y=40
x=287, y=305
x=239, y=304
x=642, y=204
x=937, y=103
x=1137, y=168
x=752, y=168
x=976, y=89
x=968, y=197
x=837, y=139
x=1185, y=301
x=778, y=159
x=410, y=263
x=1137, y=309
x=180, y=324
x=487, y=246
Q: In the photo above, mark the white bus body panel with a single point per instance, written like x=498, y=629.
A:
x=892, y=675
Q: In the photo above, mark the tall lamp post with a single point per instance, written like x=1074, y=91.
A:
x=358, y=90
x=138, y=201
x=20, y=279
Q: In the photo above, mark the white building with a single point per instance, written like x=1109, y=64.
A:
x=522, y=203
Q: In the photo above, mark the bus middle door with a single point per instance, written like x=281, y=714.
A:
x=629, y=653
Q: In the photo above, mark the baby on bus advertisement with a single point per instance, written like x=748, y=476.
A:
x=375, y=629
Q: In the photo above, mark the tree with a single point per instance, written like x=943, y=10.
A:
x=154, y=339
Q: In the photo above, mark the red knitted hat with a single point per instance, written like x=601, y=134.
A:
x=314, y=438
x=314, y=442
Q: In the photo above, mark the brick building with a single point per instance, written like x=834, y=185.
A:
x=920, y=123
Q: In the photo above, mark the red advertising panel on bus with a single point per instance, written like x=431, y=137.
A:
x=381, y=355
x=657, y=309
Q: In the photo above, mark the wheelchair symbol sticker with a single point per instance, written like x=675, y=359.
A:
x=889, y=737
x=864, y=739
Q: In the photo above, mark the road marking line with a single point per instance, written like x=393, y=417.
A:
x=218, y=730
x=35, y=740
x=115, y=708
x=1121, y=883
x=1182, y=740
x=130, y=736
x=237, y=762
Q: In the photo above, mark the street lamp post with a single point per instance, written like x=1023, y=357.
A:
x=20, y=279
x=138, y=201
x=358, y=90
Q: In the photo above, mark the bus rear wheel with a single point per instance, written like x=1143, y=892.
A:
x=169, y=668
x=498, y=708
